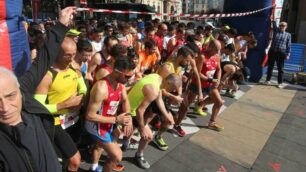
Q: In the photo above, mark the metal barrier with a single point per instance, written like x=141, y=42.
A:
x=296, y=63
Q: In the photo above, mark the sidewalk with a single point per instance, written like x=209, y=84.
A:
x=264, y=131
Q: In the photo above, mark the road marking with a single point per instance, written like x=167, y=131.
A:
x=238, y=94
x=222, y=169
x=209, y=108
x=275, y=166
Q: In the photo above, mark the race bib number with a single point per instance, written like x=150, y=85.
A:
x=69, y=119
x=113, y=107
x=210, y=74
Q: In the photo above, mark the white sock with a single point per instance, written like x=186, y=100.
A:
x=94, y=166
x=139, y=154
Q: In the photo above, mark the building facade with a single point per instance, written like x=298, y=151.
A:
x=205, y=6
x=163, y=7
x=188, y=7
x=294, y=13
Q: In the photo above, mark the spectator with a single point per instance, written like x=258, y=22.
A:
x=279, y=52
x=24, y=123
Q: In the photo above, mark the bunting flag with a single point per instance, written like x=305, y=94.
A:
x=83, y=3
x=194, y=16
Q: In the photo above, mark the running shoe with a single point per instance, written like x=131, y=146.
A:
x=267, y=83
x=215, y=126
x=205, y=109
x=281, y=85
x=98, y=169
x=118, y=168
x=160, y=143
x=133, y=145
x=141, y=162
x=199, y=110
x=178, y=129
x=229, y=94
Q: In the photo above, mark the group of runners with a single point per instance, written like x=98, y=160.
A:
x=112, y=80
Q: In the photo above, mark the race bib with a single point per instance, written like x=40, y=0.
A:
x=113, y=106
x=69, y=119
x=210, y=74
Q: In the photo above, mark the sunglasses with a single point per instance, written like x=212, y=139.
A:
x=126, y=75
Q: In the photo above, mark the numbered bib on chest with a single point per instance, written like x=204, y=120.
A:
x=113, y=106
x=69, y=119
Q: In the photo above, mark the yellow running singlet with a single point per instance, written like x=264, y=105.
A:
x=135, y=96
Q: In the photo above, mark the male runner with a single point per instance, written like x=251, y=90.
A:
x=105, y=97
x=210, y=77
x=146, y=101
x=61, y=91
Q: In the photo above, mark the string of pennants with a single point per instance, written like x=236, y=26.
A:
x=195, y=16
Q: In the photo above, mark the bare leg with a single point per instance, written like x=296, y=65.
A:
x=184, y=107
x=96, y=154
x=218, y=102
x=114, y=154
x=164, y=126
x=74, y=162
x=144, y=142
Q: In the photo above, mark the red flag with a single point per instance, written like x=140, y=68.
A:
x=265, y=60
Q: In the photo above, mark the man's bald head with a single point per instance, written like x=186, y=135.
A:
x=214, y=47
x=215, y=44
x=172, y=82
x=68, y=43
x=67, y=52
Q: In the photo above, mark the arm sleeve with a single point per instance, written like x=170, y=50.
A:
x=52, y=108
x=82, y=89
x=45, y=58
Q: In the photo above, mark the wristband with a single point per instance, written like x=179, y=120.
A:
x=210, y=80
x=116, y=120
